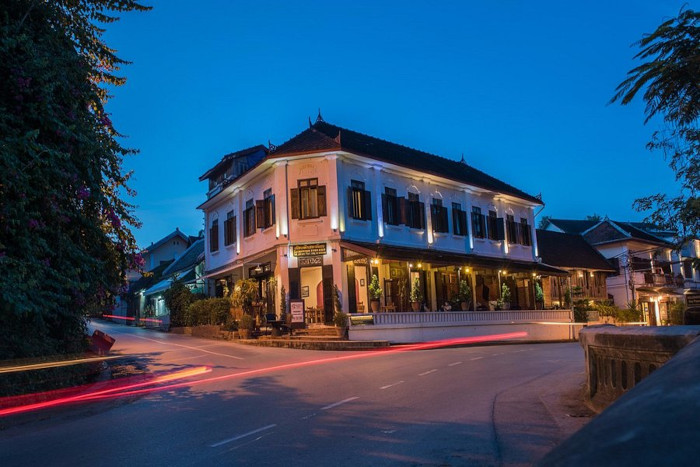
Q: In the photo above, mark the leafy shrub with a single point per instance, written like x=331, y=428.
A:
x=209, y=311
x=675, y=314
x=340, y=319
x=246, y=322
x=178, y=299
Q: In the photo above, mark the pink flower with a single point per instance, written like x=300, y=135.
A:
x=33, y=224
x=83, y=193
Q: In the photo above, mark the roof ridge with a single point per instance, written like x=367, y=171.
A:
x=453, y=161
x=395, y=144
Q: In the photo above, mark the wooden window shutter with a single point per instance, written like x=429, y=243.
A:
x=482, y=224
x=500, y=229
x=260, y=213
x=463, y=222
x=321, y=197
x=351, y=203
x=384, y=209
x=294, y=201
x=234, y=230
x=421, y=215
x=403, y=210
x=272, y=210
x=367, y=198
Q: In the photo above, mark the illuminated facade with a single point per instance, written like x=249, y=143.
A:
x=335, y=207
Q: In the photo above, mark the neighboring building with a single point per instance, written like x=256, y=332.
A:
x=188, y=269
x=650, y=272
x=167, y=248
x=588, y=269
x=334, y=207
x=157, y=257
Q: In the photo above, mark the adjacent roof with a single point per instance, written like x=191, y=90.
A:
x=189, y=258
x=569, y=251
x=150, y=278
x=323, y=136
x=175, y=233
x=228, y=157
x=572, y=226
x=610, y=231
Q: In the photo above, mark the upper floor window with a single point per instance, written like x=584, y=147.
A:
x=265, y=210
x=459, y=220
x=308, y=200
x=230, y=229
x=525, y=234
x=214, y=236
x=438, y=216
x=512, y=229
x=492, y=223
x=359, y=201
x=414, y=212
x=390, y=206
x=249, y=218
x=478, y=223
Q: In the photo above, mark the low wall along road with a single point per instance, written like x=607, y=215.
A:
x=539, y=325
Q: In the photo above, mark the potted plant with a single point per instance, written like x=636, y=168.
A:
x=245, y=293
x=539, y=295
x=504, y=299
x=464, y=295
x=283, y=305
x=340, y=320
x=416, y=296
x=246, y=326
x=375, y=293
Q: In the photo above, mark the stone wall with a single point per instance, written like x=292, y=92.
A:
x=618, y=358
x=655, y=422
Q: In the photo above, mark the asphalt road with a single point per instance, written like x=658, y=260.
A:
x=487, y=405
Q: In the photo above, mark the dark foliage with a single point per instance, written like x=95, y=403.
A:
x=65, y=239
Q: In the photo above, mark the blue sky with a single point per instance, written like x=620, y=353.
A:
x=521, y=88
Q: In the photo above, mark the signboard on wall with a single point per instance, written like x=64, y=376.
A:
x=296, y=308
x=310, y=261
x=693, y=300
x=309, y=249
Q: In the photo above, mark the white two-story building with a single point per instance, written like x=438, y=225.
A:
x=649, y=271
x=334, y=207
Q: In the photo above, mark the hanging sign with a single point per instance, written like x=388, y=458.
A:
x=310, y=261
x=309, y=249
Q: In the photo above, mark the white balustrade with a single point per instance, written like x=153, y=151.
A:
x=458, y=318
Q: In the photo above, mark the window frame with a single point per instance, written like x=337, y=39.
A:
x=230, y=229
x=214, y=236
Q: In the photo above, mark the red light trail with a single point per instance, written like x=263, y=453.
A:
x=124, y=390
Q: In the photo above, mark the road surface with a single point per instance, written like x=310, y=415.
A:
x=486, y=405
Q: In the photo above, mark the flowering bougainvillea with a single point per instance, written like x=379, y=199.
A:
x=65, y=238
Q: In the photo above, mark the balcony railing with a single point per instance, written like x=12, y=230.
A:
x=661, y=280
x=463, y=317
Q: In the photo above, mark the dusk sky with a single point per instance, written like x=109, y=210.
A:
x=520, y=88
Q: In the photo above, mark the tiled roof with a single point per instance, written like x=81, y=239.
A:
x=637, y=232
x=150, y=278
x=610, y=231
x=573, y=226
x=175, y=233
x=324, y=136
x=228, y=157
x=569, y=251
x=188, y=259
